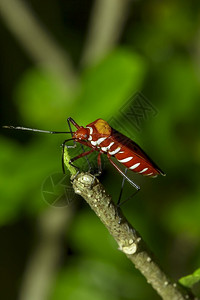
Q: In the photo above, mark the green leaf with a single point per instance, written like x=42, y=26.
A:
x=66, y=161
x=108, y=84
x=183, y=216
x=44, y=101
x=190, y=280
x=42, y=98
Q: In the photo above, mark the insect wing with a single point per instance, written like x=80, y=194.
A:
x=135, y=148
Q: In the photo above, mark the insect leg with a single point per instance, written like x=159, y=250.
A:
x=89, y=164
x=99, y=171
x=71, y=121
x=81, y=155
x=120, y=204
x=77, y=157
x=123, y=174
x=70, y=129
x=99, y=163
x=122, y=187
x=73, y=159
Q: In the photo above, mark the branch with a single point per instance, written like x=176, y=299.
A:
x=43, y=263
x=129, y=240
x=106, y=24
x=36, y=41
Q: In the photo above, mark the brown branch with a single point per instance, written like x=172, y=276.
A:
x=129, y=240
x=43, y=263
x=36, y=40
x=106, y=25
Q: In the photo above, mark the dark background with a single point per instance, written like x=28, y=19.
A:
x=85, y=59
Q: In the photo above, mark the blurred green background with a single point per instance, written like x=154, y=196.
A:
x=84, y=59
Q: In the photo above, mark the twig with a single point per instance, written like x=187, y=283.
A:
x=71, y=169
x=106, y=24
x=36, y=41
x=43, y=263
x=129, y=240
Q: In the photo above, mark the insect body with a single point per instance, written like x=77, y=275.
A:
x=99, y=136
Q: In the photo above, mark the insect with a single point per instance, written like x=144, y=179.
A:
x=101, y=137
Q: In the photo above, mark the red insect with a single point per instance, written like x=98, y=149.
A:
x=101, y=137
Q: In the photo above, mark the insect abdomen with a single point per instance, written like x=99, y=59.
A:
x=135, y=164
x=122, y=148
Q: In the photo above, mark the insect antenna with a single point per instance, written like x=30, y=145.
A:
x=36, y=130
